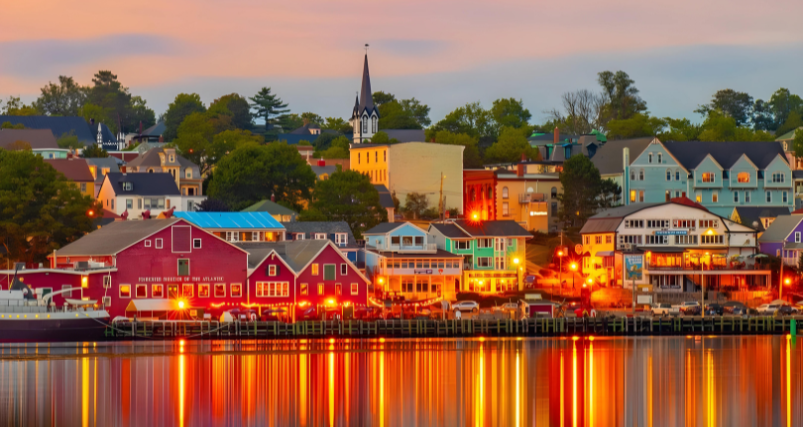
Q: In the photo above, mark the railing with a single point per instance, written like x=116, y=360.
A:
x=696, y=268
x=532, y=197
x=385, y=246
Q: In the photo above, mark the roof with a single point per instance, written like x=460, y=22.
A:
x=115, y=237
x=152, y=158
x=156, y=130
x=272, y=208
x=623, y=211
x=600, y=225
x=788, y=135
x=295, y=139
x=608, y=158
x=57, y=125
x=321, y=170
x=440, y=253
x=385, y=198
x=296, y=253
x=780, y=229
x=691, y=153
x=145, y=184
x=366, y=95
x=383, y=228
x=748, y=215
x=231, y=220
x=685, y=201
x=406, y=135
x=493, y=228
x=450, y=230
x=153, y=304
x=328, y=227
x=37, y=138
x=305, y=130
x=75, y=169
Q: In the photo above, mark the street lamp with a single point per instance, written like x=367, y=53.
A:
x=702, y=283
x=574, y=270
x=560, y=273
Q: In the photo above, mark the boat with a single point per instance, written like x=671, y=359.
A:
x=26, y=318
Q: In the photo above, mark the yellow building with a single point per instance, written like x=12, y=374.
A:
x=413, y=167
x=529, y=199
x=77, y=171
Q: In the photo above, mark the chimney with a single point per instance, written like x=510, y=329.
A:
x=556, y=136
x=321, y=162
x=122, y=169
x=272, y=197
x=161, y=138
x=520, y=169
x=523, y=156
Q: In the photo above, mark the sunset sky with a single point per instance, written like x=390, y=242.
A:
x=445, y=53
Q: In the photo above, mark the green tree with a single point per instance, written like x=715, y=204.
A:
x=339, y=149
x=781, y=104
x=126, y=112
x=40, y=210
x=620, y=96
x=638, y=125
x=392, y=115
x=338, y=125
x=582, y=187
x=15, y=107
x=381, y=138
x=738, y=105
x=8, y=125
x=309, y=117
x=470, y=119
x=267, y=106
x=382, y=98
x=415, y=204
x=471, y=154
x=509, y=147
x=69, y=140
x=324, y=141
x=63, y=99
x=205, y=138
x=797, y=143
x=252, y=173
x=792, y=122
x=510, y=112
x=680, y=130
x=237, y=107
x=94, y=151
x=182, y=106
x=90, y=111
x=290, y=122
x=610, y=194
x=720, y=127
x=348, y=196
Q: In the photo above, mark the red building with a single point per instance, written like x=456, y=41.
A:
x=478, y=194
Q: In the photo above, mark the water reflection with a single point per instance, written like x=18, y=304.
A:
x=693, y=381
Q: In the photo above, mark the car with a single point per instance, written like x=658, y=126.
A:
x=691, y=310
x=663, y=309
x=787, y=310
x=509, y=306
x=584, y=310
x=462, y=306
x=768, y=308
x=714, y=309
x=736, y=308
x=687, y=307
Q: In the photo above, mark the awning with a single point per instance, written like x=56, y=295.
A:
x=664, y=249
x=606, y=253
x=152, y=304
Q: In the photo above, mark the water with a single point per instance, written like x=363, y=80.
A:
x=694, y=381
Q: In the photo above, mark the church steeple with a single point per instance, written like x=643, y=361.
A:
x=365, y=116
x=366, y=97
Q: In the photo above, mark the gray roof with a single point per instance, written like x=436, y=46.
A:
x=113, y=238
x=493, y=228
x=406, y=135
x=623, y=211
x=450, y=230
x=151, y=158
x=272, y=208
x=691, y=153
x=305, y=130
x=320, y=170
x=145, y=184
x=311, y=227
x=296, y=254
x=57, y=125
x=751, y=214
x=383, y=228
x=385, y=198
x=797, y=174
x=608, y=158
x=156, y=130
x=36, y=138
x=600, y=225
x=780, y=228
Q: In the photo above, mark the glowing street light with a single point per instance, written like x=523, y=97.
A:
x=181, y=304
x=574, y=269
x=515, y=261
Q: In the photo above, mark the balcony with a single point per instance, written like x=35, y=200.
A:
x=532, y=197
x=385, y=246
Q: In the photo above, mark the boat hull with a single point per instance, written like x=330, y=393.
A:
x=52, y=330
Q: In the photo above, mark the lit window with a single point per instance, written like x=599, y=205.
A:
x=355, y=289
x=708, y=177
x=714, y=197
x=203, y=290
x=220, y=290
x=142, y=291
x=304, y=288
x=314, y=269
x=125, y=291
x=236, y=290
x=504, y=193
x=743, y=177
x=271, y=270
x=320, y=288
x=157, y=291
x=187, y=290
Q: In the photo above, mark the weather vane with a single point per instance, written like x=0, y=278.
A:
x=366, y=48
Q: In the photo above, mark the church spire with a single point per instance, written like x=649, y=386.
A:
x=366, y=98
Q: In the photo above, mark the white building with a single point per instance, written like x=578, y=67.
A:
x=136, y=193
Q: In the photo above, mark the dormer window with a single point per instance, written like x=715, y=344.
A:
x=172, y=158
x=743, y=177
x=188, y=173
x=660, y=158
x=777, y=177
x=128, y=186
x=708, y=177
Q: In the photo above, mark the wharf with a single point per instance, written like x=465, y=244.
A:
x=533, y=327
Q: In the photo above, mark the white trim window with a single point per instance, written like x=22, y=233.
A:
x=196, y=243
x=484, y=261
x=355, y=288
x=236, y=290
x=203, y=290
x=320, y=236
x=125, y=291
x=159, y=243
x=273, y=289
x=462, y=244
x=148, y=243
x=341, y=239
x=299, y=236
x=220, y=290
x=232, y=236
x=344, y=269
x=797, y=237
x=141, y=291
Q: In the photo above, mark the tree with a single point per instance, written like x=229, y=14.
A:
x=19, y=145
x=8, y=125
x=781, y=104
x=253, y=172
x=792, y=122
x=418, y=111
x=182, y=106
x=415, y=204
x=309, y=117
x=470, y=119
x=15, y=107
x=237, y=107
x=509, y=147
x=311, y=215
x=381, y=138
x=337, y=124
x=267, y=105
x=348, y=196
x=638, y=125
x=582, y=110
x=290, y=122
x=39, y=209
x=720, y=127
x=90, y=111
x=610, y=194
x=339, y=149
x=680, y=130
x=324, y=141
x=471, y=154
x=382, y=98
x=94, y=151
x=621, y=99
x=738, y=105
x=69, y=140
x=212, y=205
x=125, y=112
x=510, y=112
x=581, y=190
x=63, y=99
x=797, y=144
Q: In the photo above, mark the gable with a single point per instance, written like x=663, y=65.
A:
x=708, y=164
x=655, y=148
x=779, y=164
x=407, y=230
x=329, y=254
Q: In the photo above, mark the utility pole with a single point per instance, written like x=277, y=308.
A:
x=780, y=279
x=440, y=200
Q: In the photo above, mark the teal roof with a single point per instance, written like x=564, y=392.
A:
x=231, y=220
x=788, y=135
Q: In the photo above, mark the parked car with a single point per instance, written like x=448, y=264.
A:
x=714, y=309
x=691, y=310
x=768, y=308
x=787, y=310
x=735, y=307
x=509, y=306
x=462, y=306
x=663, y=309
x=688, y=307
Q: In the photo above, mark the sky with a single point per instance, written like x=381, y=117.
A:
x=444, y=53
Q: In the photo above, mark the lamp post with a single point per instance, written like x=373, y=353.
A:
x=574, y=271
x=702, y=283
x=780, y=278
x=560, y=273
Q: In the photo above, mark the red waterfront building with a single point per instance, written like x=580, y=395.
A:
x=478, y=194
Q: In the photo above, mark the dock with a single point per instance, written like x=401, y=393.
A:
x=532, y=327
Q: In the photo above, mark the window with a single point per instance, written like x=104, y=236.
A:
x=743, y=177
x=329, y=272
x=314, y=269
x=698, y=198
x=320, y=288
x=188, y=173
x=341, y=239
x=597, y=240
x=553, y=193
x=735, y=197
x=649, y=158
x=668, y=175
x=708, y=177
x=684, y=223
x=320, y=236
x=338, y=289
x=634, y=223
x=484, y=243
x=499, y=263
x=784, y=197
x=157, y=291
x=147, y=243
x=587, y=240
x=220, y=290
x=641, y=175
x=112, y=201
x=236, y=290
x=129, y=203
x=125, y=291
x=656, y=240
x=504, y=192
x=304, y=288
x=505, y=209
x=183, y=267
x=747, y=197
x=344, y=269
x=608, y=239
x=690, y=239
x=139, y=203
x=462, y=244
x=154, y=203
x=187, y=290
x=629, y=239
x=632, y=195
x=484, y=261
x=385, y=155
x=677, y=175
x=142, y=290
x=358, y=157
x=725, y=175
x=553, y=208
x=769, y=197
x=203, y=290
x=128, y=186
x=641, y=195
x=273, y=289
x=708, y=223
x=657, y=223
x=797, y=237
x=355, y=288
x=419, y=240
x=299, y=236
x=707, y=239
x=714, y=197
x=159, y=243
x=660, y=158
x=196, y=243
x=777, y=177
